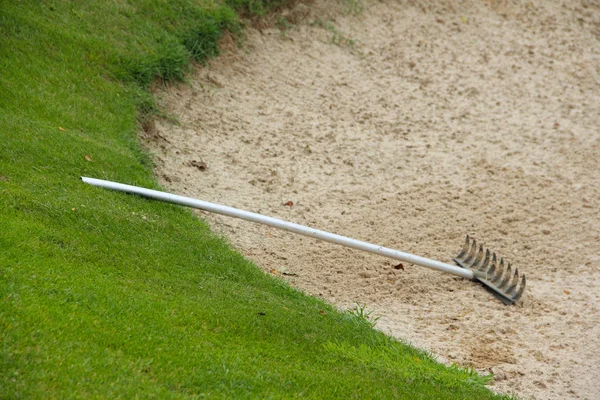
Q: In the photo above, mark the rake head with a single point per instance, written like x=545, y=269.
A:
x=501, y=281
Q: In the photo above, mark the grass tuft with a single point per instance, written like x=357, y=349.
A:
x=363, y=316
x=354, y=7
x=258, y=8
x=338, y=38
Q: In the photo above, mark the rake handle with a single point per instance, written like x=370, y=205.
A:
x=281, y=224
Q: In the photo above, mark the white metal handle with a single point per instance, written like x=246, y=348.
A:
x=281, y=224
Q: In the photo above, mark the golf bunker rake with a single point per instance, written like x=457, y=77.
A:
x=474, y=263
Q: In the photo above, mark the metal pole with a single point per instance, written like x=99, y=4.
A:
x=281, y=224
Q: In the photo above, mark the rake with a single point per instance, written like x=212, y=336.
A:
x=474, y=263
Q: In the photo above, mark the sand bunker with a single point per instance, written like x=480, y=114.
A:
x=411, y=126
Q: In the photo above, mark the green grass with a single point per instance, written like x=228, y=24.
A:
x=338, y=38
x=106, y=295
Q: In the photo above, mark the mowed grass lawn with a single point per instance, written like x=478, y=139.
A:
x=106, y=295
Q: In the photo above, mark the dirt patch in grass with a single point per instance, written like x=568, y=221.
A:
x=409, y=126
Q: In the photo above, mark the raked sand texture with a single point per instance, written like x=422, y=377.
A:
x=411, y=124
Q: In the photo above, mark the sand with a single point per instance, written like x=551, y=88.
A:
x=410, y=126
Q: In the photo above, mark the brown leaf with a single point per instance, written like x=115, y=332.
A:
x=88, y=158
x=322, y=312
x=60, y=128
x=399, y=266
x=567, y=292
x=201, y=165
x=274, y=272
x=288, y=203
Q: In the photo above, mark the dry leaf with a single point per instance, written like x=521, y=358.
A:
x=322, y=312
x=201, y=165
x=399, y=266
x=288, y=203
x=567, y=292
x=73, y=209
x=60, y=128
x=88, y=158
x=274, y=271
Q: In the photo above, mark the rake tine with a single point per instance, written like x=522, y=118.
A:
x=492, y=270
x=472, y=252
x=500, y=271
x=474, y=264
x=513, y=285
x=465, y=249
x=506, y=277
x=517, y=296
x=483, y=266
x=498, y=278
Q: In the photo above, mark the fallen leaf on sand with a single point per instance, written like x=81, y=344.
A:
x=201, y=165
x=567, y=292
x=288, y=203
x=274, y=272
x=399, y=266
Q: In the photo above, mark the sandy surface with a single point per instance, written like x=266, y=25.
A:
x=410, y=126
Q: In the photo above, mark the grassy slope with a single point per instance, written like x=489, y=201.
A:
x=108, y=295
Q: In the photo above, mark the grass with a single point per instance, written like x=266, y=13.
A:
x=361, y=313
x=104, y=295
x=338, y=38
x=354, y=7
